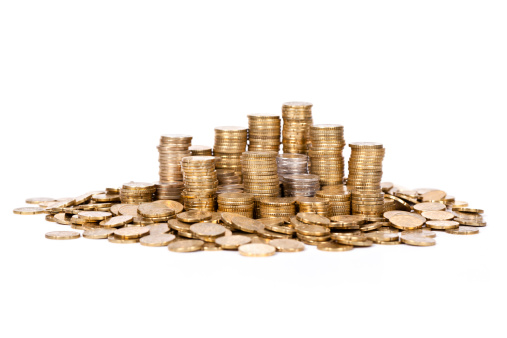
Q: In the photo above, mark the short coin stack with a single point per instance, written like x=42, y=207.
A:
x=289, y=164
x=277, y=207
x=326, y=153
x=260, y=176
x=238, y=203
x=365, y=175
x=169, y=190
x=172, y=149
x=263, y=132
x=311, y=229
x=297, y=119
x=137, y=192
x=300, y=185
x=339, y=199
x=201, y=182
x=201, y=150
x=230, y=143
x=229, y=181
x=314, y=204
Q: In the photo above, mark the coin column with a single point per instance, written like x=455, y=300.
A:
x=313, y=204
x=273, y=207
x=297, y=119
x=263, y=132
x=289, y=164
x=365, y=175
x=326, y=153
x=230, y=143
x=339, y=199
x=201, y=150
x=200, y=178
x=137, y=192
x=260, y=176
x=172, y=149
x=300, y=185
x=238, y=203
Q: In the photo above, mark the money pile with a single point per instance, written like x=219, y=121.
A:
x=137, y=192
x=326, y=158
x=365, y=174
x=263, y=132
x=238, y=203
x=169, y=190
x=230, y=143
x=339, y=199
x=172, y=149
x=277, y=207
x=289, y=164
x=311, y=229
x=314, y=204
x=200, y=178
x=155, y=212
x=297, y=119
x=200, y=150
x=300, y=185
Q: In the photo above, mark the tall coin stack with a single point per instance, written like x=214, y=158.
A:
x=289, y=164
x=277, y=207
x=313, y=204
x=326, y=153
x=169, y=190
x=297, y=119
x=365, y=175
x=137, y=192
x=300, y=185
x=200, y=150
x=172, y=149
x=339, y=199
x=263, y=132
x=230, y=143
x=200, y=178
x=238, y=203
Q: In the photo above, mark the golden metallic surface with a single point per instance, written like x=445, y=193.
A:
x=334, y=247
x=417, y=240
x=256, y=250
x=176, y=206
x=232, y=242
x=433, y=195
x=154, y=211
x=132, y=232
x=438, y=215
x=207, y=231
x=159, y=228
x=97, y=233
x=467, y=210
x=64, y=219
x=118, y=240
x=128, y=209
x=194, y=216
x=117, y=221
x=39, y=200
x=311, y=218
x=442, y=225
x=94, y=215
x=406, y=222
x=463, y=230
x=186, y=245
x=29, y=211
x=157, y=240
x=287, y=245
x=429, y=206
x=208, y=246
x=420, y=232
x=247, y=224
x=312, y=230
x=460, y=204
x=62, y=235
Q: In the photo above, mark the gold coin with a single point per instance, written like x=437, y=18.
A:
x=433, y=195
x=132, y=232
x=115, y=239
x=97, y=233
x=287, y=245
x=257, y=250
x=348, y=219
x=420, y=232
x=406, y=222
x=94, y=215
x=207, y=231
x=194, y=216
x=208, y=246
x=311, y=218
x=176, y=206
x=429, y=206
x=442, y=225
x=178, y=226
x=29, y=211
x=463, y=230
x=396, y=242
x=363, y=242
x=417, y=240
x=62, y=235
x=373, y=226
x=154, y=211
x=159, y=228
x=335, y=247
x=312, y=230
x=467, y=209
x=475, y=223
x=247, y=224
x=128, y=209
x=438, y=215
x=232, y=242
x=62, y=218
x=157, y=240
x=186, y=245
x=117, y=221
x=460, y=204
x=39, y=200
x=379, y=236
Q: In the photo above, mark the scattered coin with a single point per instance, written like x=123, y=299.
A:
x=194, y=216
x=186, y=245
x=94, y=215
x=335, y=247
x=29, y=211
x=62, y=235
x=247, y=224
x=463, y=230
x=97, y=233
x=311, y=218
x=406, y=222
x=132, y=232
x=442, y=225
x=207, y=231
x=438, y=215
x=157, y=240
x=232, y=242
x=417, y=240
x=429, y=206
x=287, y=245
x=39, y=200
x=256, y=250
x=118, y=240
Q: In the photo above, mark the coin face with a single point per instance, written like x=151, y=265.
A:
x=417, y=240
x=157, y=240
x=334, y=247
x=119, y=240
x=186, y=245
x=207, y=229
x=429, y=206
x=29, y=211
x=159, y=228
x=132, y=232
x=287, y=245
x=154, y=210
x=194, y=216
x=176, y=206
x=128, y=209
x=311, y=218
x=438, y=215
x=97, y=233
x=94, y=215
x=247, y=224
x=62, y=235
x=463, y=230
x=117, y=221
x=232, y=242
x=442, y=225
x=312, y=230
x=433, y=195
x=420, y=232
x=257, y=250
x=406, y=222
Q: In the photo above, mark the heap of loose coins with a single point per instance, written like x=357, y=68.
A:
x=297, y=119
x=230, y=143
x=172, y=149
x=263, y=132
x=201, y=182
x=326, y=153
x=197, y=150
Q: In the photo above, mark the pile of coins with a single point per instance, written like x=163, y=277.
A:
x=260, y=176
x=172, y=149
x=316, y=205
x=229, y=181
x=297, y=119
x=289, y=164
x=300, y=185
x=137, y=192
x=339, y=199
x=201, y=182
x=365, y=175
x=311, y=229
x=169, y=190
x=326, y=153
x=201, y=150
x=277, y=207
x=230, y=143
x=238, y=203
x=263, y=132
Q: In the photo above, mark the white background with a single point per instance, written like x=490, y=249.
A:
x=88, y=87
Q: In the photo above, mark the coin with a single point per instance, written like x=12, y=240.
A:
x=438, y=215
x=29, y=211
x=232, y=242
x=312, y=230
x=154, y=211
x=207, y=231
x=94, y=215
x=311, y=218
x=406, y=222
x=287, y=245
x=442, y=225
x=433, y=195
x=335, y=247
x=420, y=232
x=186, y=245
x=117, y=221
x=417, y=240
x=118, y=240
x=97, y=233
x=463, y=230
x=176, y=206
x=62, y=235
x=132, y=232
x=429, y=206
x=39, y=200
x=468, y=209
x=257, y=250
x=157, y=240
x=247, y=224
x=193, y=216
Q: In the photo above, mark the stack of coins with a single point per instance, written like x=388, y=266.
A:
x=297, y=119
x=365, y=175
x=172, y=149
x=228, y=176
x=326, y=157
x=169, y=190
x=311, y=228
x=277, y=207
x=222, y=189
x=150, y=213
x=260, y=176
x=263, y=132
x=238, y=203
x=200, y=179
x=137, y=192
x=289, y=164
x=200, y=151
x=300, y=185
x=339, y=199
x=314, y=204
x=230, y=143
